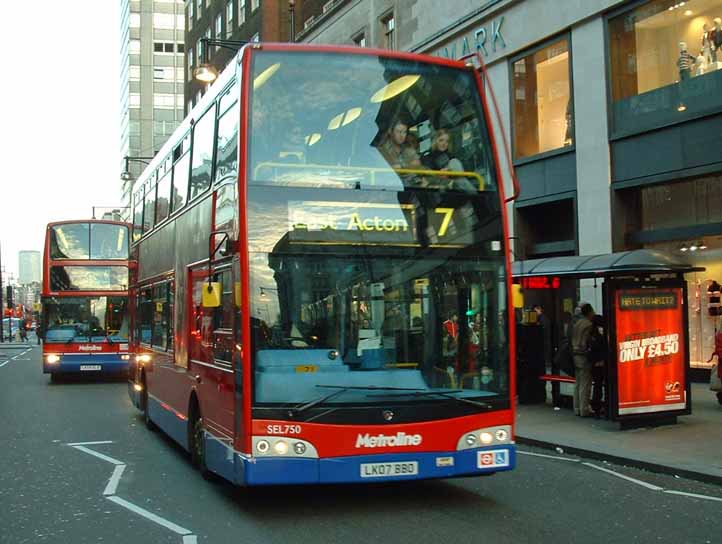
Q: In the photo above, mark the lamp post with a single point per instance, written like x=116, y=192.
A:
x=125, y=174
x=207, y=72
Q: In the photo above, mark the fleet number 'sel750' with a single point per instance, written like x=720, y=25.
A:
x=283, y=429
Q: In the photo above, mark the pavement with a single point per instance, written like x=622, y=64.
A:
x=691, y=448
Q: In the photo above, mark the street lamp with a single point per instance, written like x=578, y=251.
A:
x=207, y=72
x=125, y=174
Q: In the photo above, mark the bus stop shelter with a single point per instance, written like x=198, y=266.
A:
x=644, y=303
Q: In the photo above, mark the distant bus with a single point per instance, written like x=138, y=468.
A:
x=85, y=298
x=318, y=298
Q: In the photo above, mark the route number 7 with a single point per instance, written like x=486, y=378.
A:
x=448, y=213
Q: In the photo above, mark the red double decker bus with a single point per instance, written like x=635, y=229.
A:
x=323, y=278
x=85, y=297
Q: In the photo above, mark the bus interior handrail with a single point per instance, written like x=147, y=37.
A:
x=375, y=170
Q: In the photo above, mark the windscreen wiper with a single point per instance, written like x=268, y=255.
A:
x=340, y=390
x=445, y=394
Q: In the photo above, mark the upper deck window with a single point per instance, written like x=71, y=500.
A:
x=82, y=241
x=356, y=121
x=108, y=241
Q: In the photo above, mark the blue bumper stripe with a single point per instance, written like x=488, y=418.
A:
x=282, y=471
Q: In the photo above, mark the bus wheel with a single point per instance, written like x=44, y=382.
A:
x=54, y=378
x=144, y=406
x=719, y=397
x=198, y=444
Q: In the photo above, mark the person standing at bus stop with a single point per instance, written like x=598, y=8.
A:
x=581, y=333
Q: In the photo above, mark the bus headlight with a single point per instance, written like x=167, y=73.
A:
x=262, y=446
x=486, y=438
x=145, y=358
x=51, y=358
x=280, y=447
x=125, y=357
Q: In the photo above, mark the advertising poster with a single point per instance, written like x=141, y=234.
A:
x=651, y=348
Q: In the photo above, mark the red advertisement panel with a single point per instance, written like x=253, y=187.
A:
x=651, y=348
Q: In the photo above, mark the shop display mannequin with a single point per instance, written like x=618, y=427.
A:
x=715, y=38
x=700, y=64
x=714, y=304
x=706, y=43
x=684, y=62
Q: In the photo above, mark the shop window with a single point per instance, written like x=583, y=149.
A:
x=666, y=62
x=542, y=100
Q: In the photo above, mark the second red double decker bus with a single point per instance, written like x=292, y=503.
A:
x=85, y=298
x=322, y=286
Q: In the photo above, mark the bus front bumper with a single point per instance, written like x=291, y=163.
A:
x=110, y=363
x=374, y=468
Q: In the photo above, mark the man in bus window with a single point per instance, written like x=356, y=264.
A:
x=396, y=150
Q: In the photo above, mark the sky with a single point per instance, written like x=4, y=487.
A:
x=60, y=138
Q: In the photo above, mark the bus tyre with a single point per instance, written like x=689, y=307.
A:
x=54, y=378
x=198, y=445
x=144, y=407
x=719, y=397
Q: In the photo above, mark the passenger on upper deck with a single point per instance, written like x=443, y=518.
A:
x=395, y=148
x=439, y=157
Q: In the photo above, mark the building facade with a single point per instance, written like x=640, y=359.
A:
x=151, y=81
x=236, y=20
x=29, y=267
x=612, y=109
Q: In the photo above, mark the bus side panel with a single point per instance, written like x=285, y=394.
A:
x=169, y=389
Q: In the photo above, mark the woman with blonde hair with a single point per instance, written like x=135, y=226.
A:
x=439, y=157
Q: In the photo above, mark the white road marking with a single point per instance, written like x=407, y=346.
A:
x=625, y=477
x=150, y=515
x=548, y=456
x=15, y=357
x=114, y=480
x=695, y=495
x=112, y=486
x=628, y=478
x=19, y=354
x=99, y=455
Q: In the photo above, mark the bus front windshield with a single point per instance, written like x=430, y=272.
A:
x=378, y=275
x=85, y=319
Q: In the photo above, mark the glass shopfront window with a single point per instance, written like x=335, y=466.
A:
x=666, y=63
x=542, y=100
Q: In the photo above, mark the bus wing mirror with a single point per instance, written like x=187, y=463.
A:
x=212, y=294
